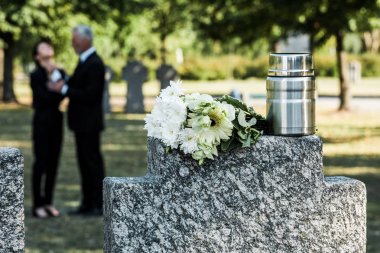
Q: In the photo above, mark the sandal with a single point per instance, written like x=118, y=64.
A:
x=40, y=213
x=52, y=211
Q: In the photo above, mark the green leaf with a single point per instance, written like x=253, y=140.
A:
x=242, y=119
x=242, y=135
x=236, y=103
x=247, y=142
x=225, y=145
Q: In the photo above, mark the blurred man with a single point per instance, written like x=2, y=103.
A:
x=85, y=117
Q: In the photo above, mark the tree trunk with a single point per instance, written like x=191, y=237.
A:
x=1, y=69
x=9, y=51
x=344, y=95
x=311, y=42
x=275, y=46
x=375, y=41
x=367, y=41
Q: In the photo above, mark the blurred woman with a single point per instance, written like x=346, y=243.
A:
x=47, y=130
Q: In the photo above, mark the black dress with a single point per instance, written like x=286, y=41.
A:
x=47, y=137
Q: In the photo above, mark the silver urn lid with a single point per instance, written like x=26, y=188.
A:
x=294, y=64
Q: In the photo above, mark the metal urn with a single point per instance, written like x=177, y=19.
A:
x=291, y=94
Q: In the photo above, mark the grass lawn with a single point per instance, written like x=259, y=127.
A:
x=351, y=148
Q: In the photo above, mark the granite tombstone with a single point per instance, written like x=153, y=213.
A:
x=166, y=73
x=135, y=74
x=12, y=233
x=272, y=197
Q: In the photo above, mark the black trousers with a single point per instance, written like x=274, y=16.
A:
x=47, y=142
x=91, y=168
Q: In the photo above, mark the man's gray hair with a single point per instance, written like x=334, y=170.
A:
x=84, y=31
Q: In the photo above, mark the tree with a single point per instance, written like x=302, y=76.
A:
x=335, y=18
x=372, y=40
x=9, y=30
x=322, y=19
x=23, y=22
x=166, y=17
x=244, y=20
x=21, y=19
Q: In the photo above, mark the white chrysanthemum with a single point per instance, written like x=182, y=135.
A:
x=195, y=100
x=170, y=135
x=174, y=90
x=168, y=116
x=230, y=111
x=178, y=111
x=205, y=151
x=198, y=121
x=152, y=124
x=189, y=141
x=213, y=127
x=215, y=133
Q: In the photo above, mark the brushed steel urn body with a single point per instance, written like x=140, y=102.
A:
x=291, y=94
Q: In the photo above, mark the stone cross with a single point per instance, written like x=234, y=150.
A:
x=135, y=74
x=106, y=94
x=164, y=74
x=272, y=197
x=12, y=233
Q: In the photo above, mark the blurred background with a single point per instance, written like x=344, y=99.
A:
x=215, y=47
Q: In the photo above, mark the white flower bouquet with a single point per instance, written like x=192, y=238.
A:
x=199, y=125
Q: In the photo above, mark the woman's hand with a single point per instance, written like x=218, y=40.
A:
x=49, y=66
x=55, y=86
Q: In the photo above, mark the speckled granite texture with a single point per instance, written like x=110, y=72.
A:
x=272, y=197
x=12, y=235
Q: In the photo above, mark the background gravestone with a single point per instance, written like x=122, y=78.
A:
x=106, y=94
x=165, y=73
x=135, y=74
x=354, y=71
x=12, y=235
x=271, y=197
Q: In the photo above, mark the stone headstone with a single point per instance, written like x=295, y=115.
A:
x=164, y=74
x=354, y=71
x=295, y=43
x=12, y=234
x=135, y=74
x=235, y=93
x=272, y=197
x=106, y=93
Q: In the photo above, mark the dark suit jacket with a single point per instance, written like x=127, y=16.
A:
x=85, y=112
x=43, y=99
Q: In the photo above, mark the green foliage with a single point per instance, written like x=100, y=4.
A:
x=196, y=68
x=325, y=65
x=253, y=68
x=352, y=43
x=240, y=67
x=245, y=20
x=370, y=64
x=223, y=67
x=249, y=125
